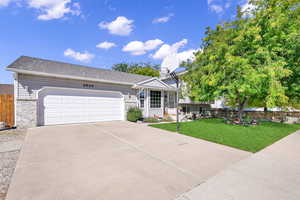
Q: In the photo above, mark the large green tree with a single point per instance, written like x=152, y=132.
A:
x=279, y=23
x=146, y=69
x=253, y=59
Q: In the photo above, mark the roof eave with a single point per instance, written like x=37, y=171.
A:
x=155, y=88
x=66, y=76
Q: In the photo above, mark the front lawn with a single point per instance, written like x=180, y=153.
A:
x=251, y=138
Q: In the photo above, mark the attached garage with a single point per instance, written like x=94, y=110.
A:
x=50, y=92
x=66, y=106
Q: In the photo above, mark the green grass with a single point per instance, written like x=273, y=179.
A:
x=251, y=138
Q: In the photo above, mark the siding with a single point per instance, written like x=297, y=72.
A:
x=28, y=85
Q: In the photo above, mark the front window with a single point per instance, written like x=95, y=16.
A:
x=155, y=99
x=142, y=99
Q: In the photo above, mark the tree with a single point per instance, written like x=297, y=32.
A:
x=146, y=69
x=279, y=21
x=122, y=67
x=245, y=61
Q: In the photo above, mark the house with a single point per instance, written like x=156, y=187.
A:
x=49, y=92
x=7, y=89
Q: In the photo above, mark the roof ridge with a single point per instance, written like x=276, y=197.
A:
x=33, y=65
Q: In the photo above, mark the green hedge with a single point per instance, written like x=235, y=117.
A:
x=134, y=114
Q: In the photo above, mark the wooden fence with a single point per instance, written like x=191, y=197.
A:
x=7, y=109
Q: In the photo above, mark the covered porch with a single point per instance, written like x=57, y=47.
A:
x=156, y=98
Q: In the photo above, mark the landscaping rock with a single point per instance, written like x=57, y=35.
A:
x=10, y=145
x=2, y=125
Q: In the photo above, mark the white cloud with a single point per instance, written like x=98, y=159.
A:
x=209, y=1
x=167, y=49
x=82, y=57
x=219, y=6
x=247, y=6
x=54, y=9
x=106, y=45
x=163, y=19
x=120, y=26
x=186, y=55
x=108, y=4
x=216, y=8
x=5, y=2
x=227, y=4
x=139, y=48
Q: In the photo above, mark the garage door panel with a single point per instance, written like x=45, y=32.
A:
x=63, y=107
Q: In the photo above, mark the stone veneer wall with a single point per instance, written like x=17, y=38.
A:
x=261, y=115
x=26, y=113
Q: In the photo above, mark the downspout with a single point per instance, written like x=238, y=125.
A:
x=16, y=95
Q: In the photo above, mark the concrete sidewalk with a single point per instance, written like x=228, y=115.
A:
x=272, y=174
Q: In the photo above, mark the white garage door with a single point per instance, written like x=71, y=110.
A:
x=65, y=106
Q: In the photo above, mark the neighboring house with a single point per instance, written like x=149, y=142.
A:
x=49, y=92
x=6, y=89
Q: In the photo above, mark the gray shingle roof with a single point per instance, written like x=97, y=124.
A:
x=37, y=65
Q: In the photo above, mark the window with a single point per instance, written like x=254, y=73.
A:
x=142, y=99
x=155, y=99
x=86, y=85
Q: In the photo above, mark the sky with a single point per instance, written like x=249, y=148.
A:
x=100, y=33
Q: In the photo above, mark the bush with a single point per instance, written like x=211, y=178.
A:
x=151, y=120
x=134, y=114
x=168, y=119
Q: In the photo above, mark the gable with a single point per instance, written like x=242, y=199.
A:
x=154, y=83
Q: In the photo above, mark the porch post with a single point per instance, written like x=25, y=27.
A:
x=147, y=104
x=162, y=100
x=177, y=103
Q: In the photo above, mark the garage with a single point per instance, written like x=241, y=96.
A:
x=67, y=106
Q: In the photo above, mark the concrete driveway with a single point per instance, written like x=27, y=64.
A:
x=114, y=160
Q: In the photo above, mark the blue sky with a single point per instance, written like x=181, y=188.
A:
x=100, y=33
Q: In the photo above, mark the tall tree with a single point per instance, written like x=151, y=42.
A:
x=279, y=22
x=245, y=60
x=146, y=69
x=122, y=67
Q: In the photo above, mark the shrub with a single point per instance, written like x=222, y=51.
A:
x=168, y=119
x=134, y=114
x=151, y=120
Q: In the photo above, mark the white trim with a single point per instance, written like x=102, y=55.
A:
x=16, y=95
x=82, y=89
x=140, y=85
x=148, y=102
x=152, y=79
x=68, y=76
x=145, y=81
x=155, y=88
